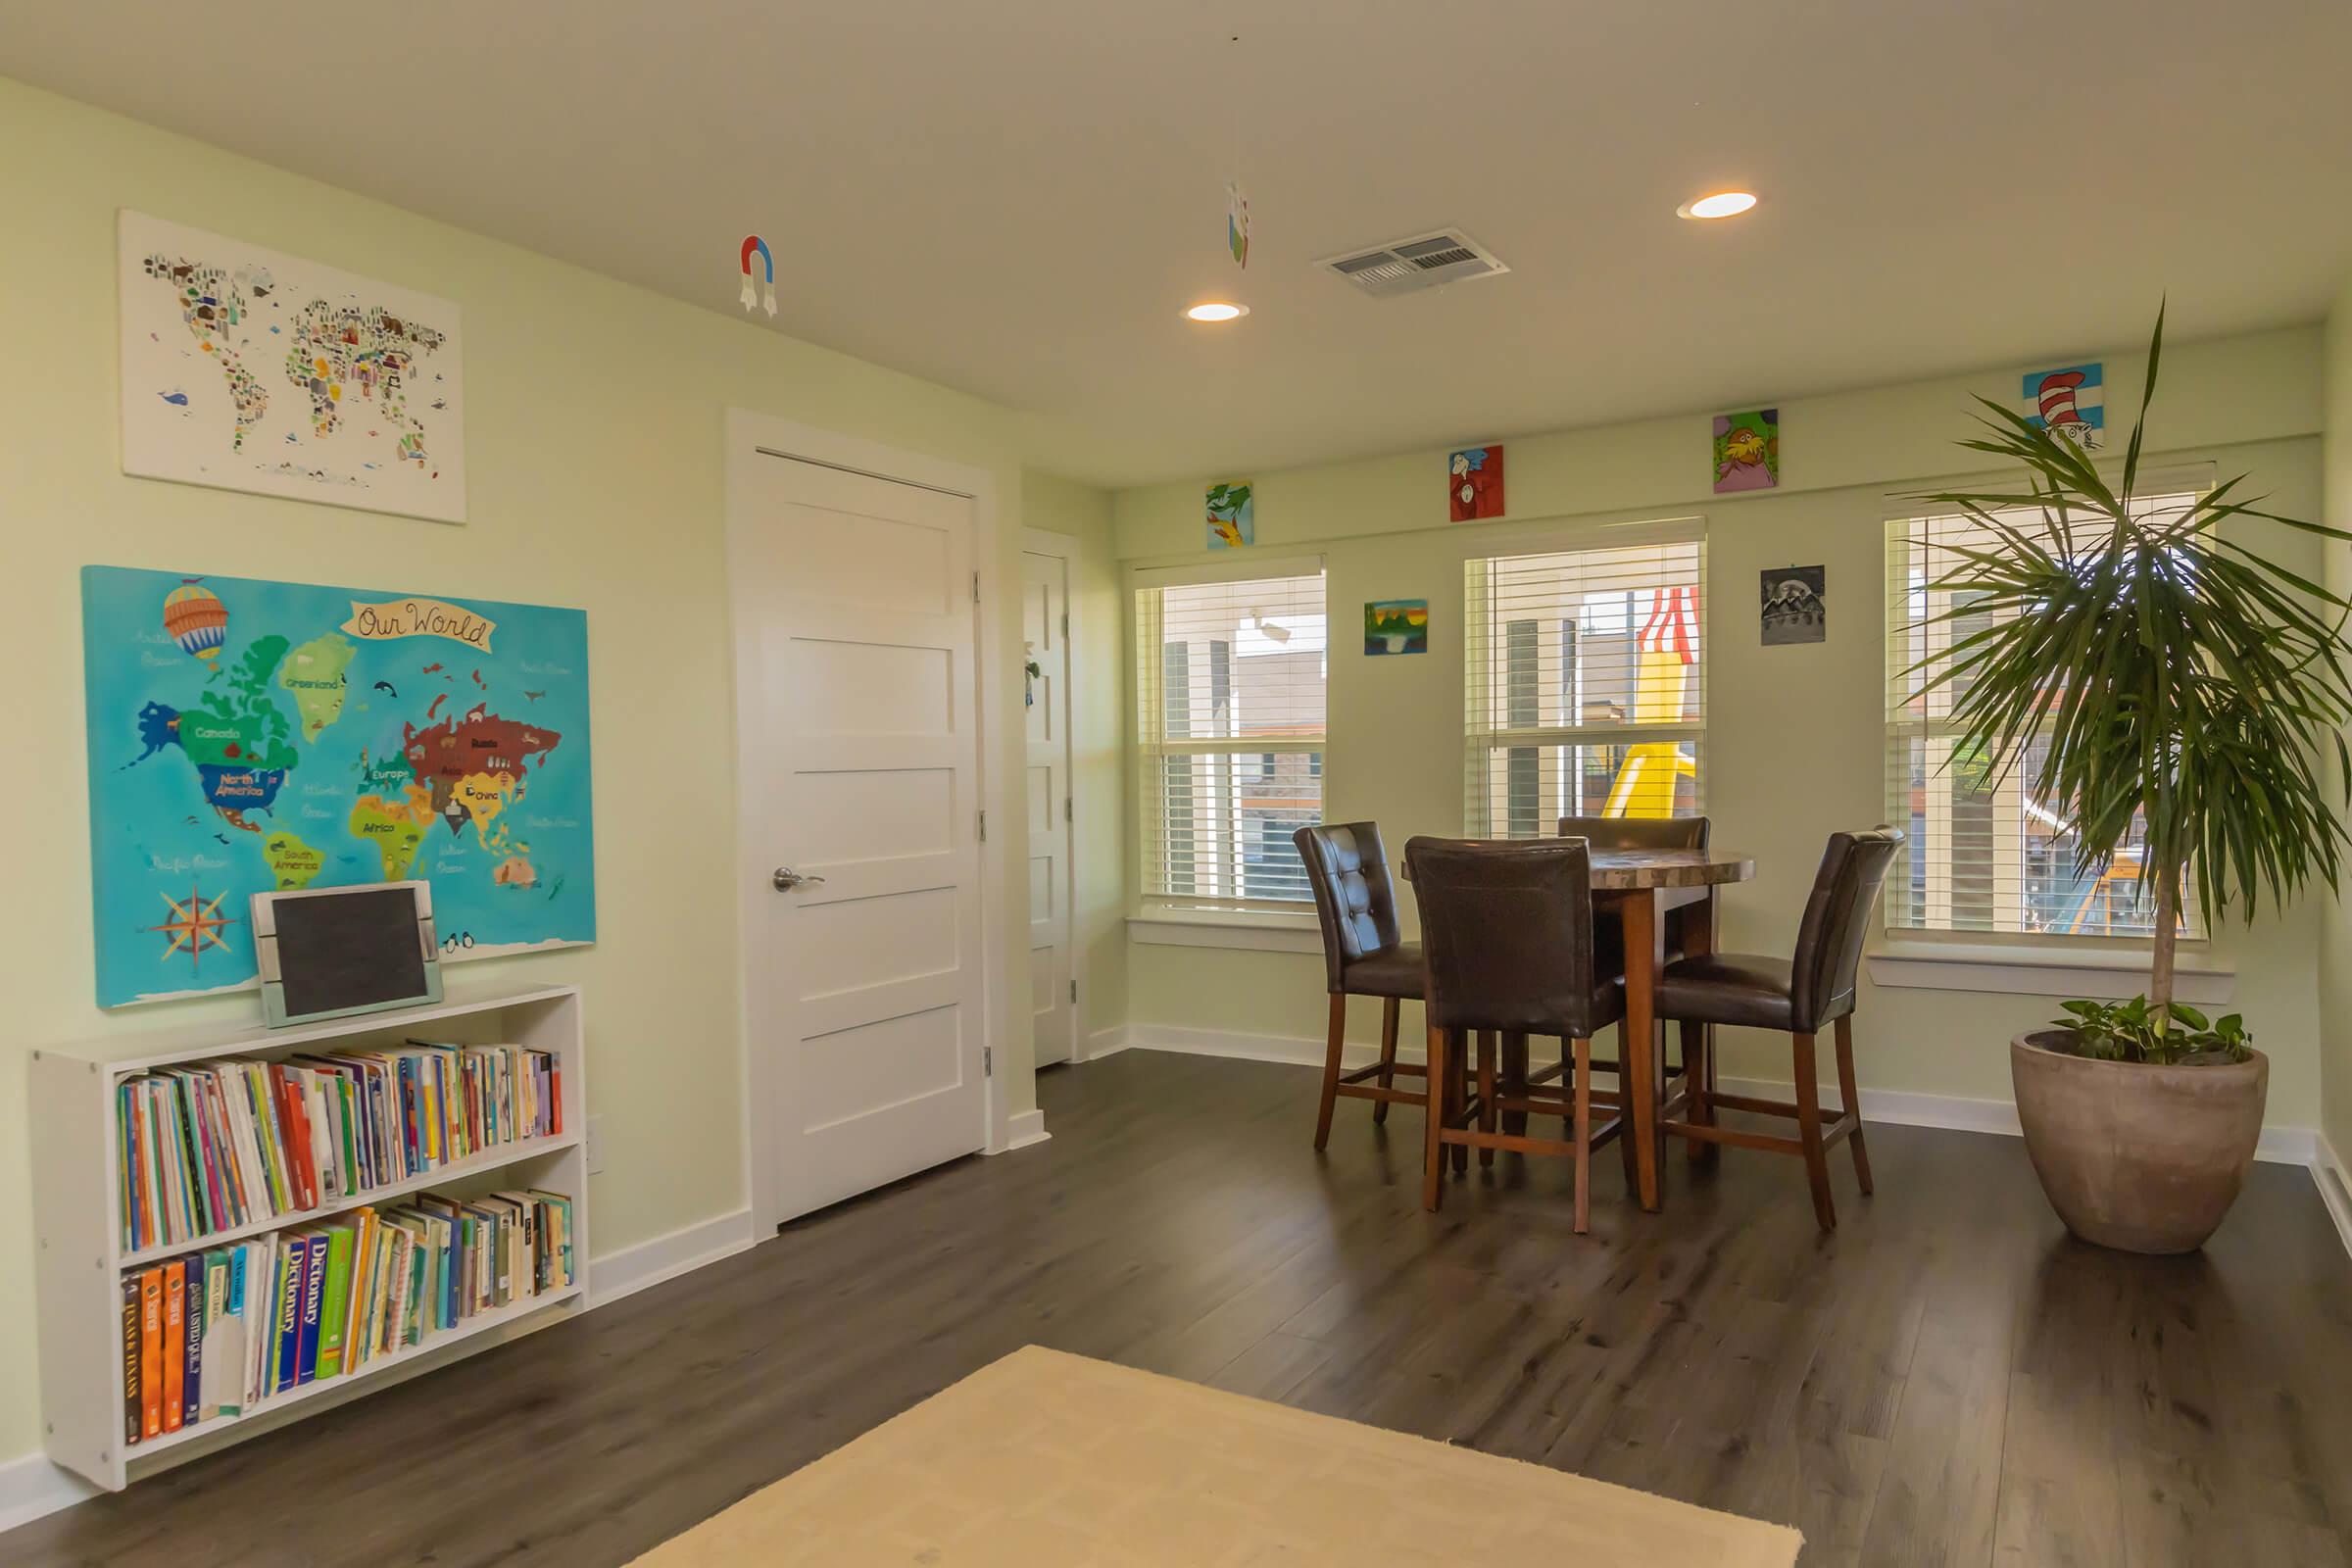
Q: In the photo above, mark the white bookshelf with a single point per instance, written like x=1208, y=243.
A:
x=77, y=1215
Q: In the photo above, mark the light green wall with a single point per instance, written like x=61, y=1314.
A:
x=2335, y=926
x=594, y=438
x=1794, y=746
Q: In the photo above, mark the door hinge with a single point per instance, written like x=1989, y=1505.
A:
x=976, y=587
x=984, y=827
x=1065, y=626
x=1069, y=810
x=988, y=1061
x=1073, y=991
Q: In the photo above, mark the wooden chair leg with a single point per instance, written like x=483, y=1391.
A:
x=1514, y=1079
x=1853, y=1100
x=1698, y=1081
x=1808, y=1132
x=1433, y=1189
x=1460, y=1091
x=1390, y=1006
x=1331, y=1070
x=1626, y=1143
x=1579, y=1121
x=1487, y=1122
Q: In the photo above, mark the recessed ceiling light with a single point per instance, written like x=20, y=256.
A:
x=1216, y=311
x=1723, y=203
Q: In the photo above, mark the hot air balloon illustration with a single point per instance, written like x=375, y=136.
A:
x=196, y=619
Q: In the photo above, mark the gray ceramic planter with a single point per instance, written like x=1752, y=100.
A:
x=2142, y=1158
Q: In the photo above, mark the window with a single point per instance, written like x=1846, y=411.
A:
x=1230, y=721
x=1586, y=674
x=1982, y=853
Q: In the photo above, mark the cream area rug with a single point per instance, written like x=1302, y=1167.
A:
x=1044, y=1460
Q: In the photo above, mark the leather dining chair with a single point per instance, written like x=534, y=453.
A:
x=1798, y=995
x=1691, y=920
x=1355, y=904
x=1507, y=941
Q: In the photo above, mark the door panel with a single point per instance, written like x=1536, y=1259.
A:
x=868, y=1003
x=1044, y=606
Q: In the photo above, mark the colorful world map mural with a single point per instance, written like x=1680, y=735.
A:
x=249, y=736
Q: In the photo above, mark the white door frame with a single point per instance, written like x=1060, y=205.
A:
x=753, y=438
x=1065, y=547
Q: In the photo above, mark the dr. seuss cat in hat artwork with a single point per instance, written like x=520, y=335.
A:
x=2072, y=402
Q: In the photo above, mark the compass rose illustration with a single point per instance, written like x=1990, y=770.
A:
x=194, y=925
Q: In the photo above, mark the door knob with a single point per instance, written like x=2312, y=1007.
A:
x=786, y=879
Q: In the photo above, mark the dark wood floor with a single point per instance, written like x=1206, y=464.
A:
x=1949, y=1379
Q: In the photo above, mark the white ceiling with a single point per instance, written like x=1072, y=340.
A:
x=1015, y=197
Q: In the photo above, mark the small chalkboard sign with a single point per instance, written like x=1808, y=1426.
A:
x=330, y=952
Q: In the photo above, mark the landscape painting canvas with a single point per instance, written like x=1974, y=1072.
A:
x=1474, y=484
x=246, y=369
x=251, y=736
x=1747, y=451
x=1397, y=626
x=2070, y=401
x=1796, y=605
x=1232, y=516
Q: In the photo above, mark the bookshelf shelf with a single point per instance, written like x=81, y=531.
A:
x=80, y=1258
x=457, y=1171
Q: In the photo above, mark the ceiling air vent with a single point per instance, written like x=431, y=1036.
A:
x=1425, y=261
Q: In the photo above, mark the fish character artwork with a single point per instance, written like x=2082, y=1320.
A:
x=1232, y=516
x=761, y=293
x=1747, y=451
x=1474, y=484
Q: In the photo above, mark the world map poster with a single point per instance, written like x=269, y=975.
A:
x=251, y=369
x=250, y=736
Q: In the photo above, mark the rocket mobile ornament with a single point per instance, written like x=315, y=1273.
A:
x=752, y=293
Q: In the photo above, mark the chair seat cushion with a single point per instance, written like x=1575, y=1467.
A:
x=1730, y=988
x=1391, y=972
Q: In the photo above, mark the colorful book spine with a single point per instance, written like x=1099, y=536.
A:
x=191, y=1359
x=286, y=1356
x=176, y=1334
x=131, y=1432
x=334, y=1306
x=151, y=1353
x=313, y=1299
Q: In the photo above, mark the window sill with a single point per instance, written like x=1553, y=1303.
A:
x=2025, y=971
x=1252, y=930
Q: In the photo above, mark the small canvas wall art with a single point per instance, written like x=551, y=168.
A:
x=1474, y=483
x=1232, y=516
x=1747, y=451
x=1796, y=605
x=2070, y=401
x=1397, y=626
x=251, y=369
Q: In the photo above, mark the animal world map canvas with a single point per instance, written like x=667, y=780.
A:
x=251, y=736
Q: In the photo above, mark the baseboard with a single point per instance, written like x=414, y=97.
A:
x=1105, y=1043
x=1023, y=1129
x=666, y=1257
x=2334, y=1182
x=32, y=1486
x=2284, y=1146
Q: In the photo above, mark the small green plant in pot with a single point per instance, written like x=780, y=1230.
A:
x=2180, y=684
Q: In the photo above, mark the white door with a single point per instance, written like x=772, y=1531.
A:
x=1044, y=630
x=862, y=779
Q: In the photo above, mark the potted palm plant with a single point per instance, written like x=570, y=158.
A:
x=2181, y=687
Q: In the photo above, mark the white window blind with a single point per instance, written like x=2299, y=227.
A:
x=1981, y=854
x=1587, y=682
x=1229, y=689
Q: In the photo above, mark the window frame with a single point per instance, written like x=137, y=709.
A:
x=1478, y=741
x=2003, y=944
x=1191, y=918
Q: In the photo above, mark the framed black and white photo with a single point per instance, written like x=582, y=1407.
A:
x=1796, y=605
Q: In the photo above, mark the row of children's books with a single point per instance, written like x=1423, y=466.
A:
x=224, y=1332
x=211, y=1146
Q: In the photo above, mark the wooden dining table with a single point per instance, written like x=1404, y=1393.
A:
x=1640, y=886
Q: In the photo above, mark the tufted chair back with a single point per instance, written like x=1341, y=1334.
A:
x=1829, y=940
x=1347, y=866
x=1638, y=832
